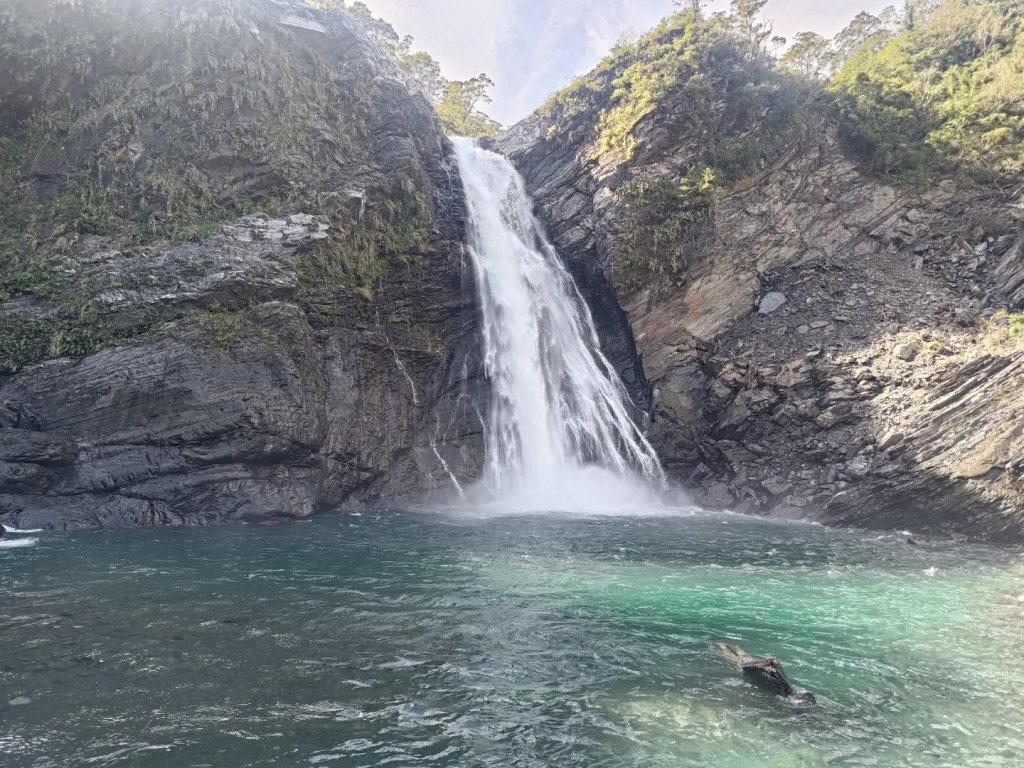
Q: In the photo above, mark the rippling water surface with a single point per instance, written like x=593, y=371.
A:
x=432, y=640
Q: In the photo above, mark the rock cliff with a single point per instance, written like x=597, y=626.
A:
x=233, y=280
x=819, y=344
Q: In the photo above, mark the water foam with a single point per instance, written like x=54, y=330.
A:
x=17, y=543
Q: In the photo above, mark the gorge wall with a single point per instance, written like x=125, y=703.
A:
x=233, y=286
x=819, y=343
x=233, y=275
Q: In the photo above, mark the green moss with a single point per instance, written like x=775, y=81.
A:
x=225, y=329
x=133, y=150
x=204, y=115
x=719, y=104
x=647, y=72
x=37, y=279
x=199, y=116
x=662, y=220
x=25, y=339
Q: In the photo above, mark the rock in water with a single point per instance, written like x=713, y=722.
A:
x=767, y=672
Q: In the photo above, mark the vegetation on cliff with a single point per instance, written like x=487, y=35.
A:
x=457, y=101
x=936, y=88
x=137, y=124
x=660, y=217
x=705, y=84
x=945, y=93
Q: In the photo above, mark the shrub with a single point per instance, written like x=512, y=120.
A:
x=661, y=220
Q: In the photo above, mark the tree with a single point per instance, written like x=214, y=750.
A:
x=423, y=68
x=456, y=101
x=752, y=27
x=943, y=94
x=865, y=27
x=459, y=111
x=915, y=10
x=808, y=56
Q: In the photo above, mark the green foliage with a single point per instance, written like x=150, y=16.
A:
x=1016, y=324
x=138, y=157
x=75, y=332
x=945, y=94
x=457, y=101
x=36, y=279
x=23, y=339
x=225, y=329
x=646, y=72
x=662, y=220
x=808, y=56
x=458, y=108
x=123, y=152
x=206, y=112
x=709, y=86
x=865, y=32
x=359, y=252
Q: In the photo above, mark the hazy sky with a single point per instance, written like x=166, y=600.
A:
x=534, y=47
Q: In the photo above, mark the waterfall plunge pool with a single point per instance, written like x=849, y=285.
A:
x=412, y=639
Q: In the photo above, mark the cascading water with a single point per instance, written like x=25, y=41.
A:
x=560, y=436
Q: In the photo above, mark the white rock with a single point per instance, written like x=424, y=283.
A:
x=771, y=302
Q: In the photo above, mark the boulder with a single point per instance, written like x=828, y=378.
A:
x=771, y=302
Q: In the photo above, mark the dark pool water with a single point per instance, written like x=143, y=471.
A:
x=434, y=640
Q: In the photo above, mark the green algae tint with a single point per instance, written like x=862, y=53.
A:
x=427, y=639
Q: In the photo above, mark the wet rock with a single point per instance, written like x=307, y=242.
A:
x=25, y=446
x=250, y=384
x=891, y=469
x=843, y=247
x=858, y=467
x=716, y=495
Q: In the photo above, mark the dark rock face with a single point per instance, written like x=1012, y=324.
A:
x=824, y=354
x=257, y=387
x=286, y=416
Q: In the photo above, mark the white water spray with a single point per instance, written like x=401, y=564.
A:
x=560, y=436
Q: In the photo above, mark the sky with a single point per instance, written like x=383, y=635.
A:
x=531, y=48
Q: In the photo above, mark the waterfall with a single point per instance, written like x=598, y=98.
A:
x=559, y=435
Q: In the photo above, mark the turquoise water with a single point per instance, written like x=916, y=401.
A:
x=432, y=640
